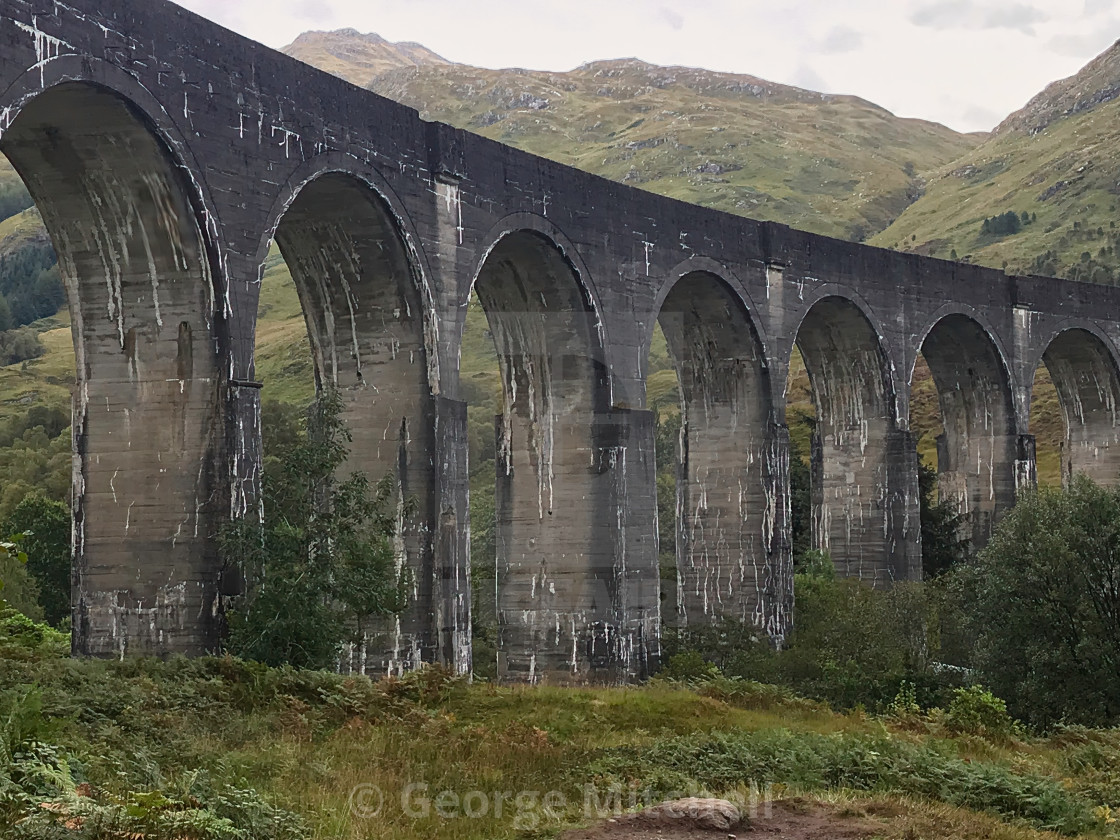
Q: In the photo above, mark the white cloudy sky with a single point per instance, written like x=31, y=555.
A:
x=966, y=63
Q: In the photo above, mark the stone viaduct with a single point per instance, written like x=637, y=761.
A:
x=166, y=154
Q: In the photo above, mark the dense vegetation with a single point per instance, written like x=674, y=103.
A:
x=220, y=748
x=1035, y=616
x=1005, y=224
x=321, y=564
x=30, y=287
x=1042, y=603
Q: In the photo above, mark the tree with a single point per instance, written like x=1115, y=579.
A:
x=17, y=587
x=46, y=523
x=321, y=563
x=800, y=497
x=1042, y=602
x=14, y=198
x=667, y=434
x=19, y=345
x=943, y=545
x=1005, y=224
x=853, y=644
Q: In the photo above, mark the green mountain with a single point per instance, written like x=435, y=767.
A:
x=356, y=57
x=1054, y=165
x=837, y=165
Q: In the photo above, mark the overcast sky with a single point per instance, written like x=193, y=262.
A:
x=965, y=63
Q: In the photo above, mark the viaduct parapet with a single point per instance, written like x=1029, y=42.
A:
x=167, y=154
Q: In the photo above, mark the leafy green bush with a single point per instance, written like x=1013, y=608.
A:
x=855, y=645
x=46, y=523
x=689, y=665
x=904, y=708
x=20, y=345
x=1042, y=602
x=66, y=808
x=815, y=563
x=976, y=711
x=321, y=564
x=21, y=638
x=852, y=645
x=18, y=587
x=749, y=694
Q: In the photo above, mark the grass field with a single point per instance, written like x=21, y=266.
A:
x=331, y=749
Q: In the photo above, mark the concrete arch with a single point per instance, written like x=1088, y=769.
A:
x=150, y=408
x=1083, y=366
x=730, y=467
x=864, y=469
x=339, y=163
x=833, y=328
x=706, y=265
x=381, y=193
x=369, y=326
x=1039, y=348
x=555, y=566
x=560, y=305
x=546, y=229
x=519, y=224
x=834, y=291
x=978, y=449
x=69, y=69
x=973, y=314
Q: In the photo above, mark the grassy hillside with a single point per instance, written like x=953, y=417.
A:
x=356, y=57
x=283, y=358
x=216, y=748
x=836, y=165
x=1055, y=163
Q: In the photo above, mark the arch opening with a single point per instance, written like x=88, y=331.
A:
x=147, y=412
x=724, y=472
x=340, y=308
x=556, y=594
x=977, y=445
x=1074, y=405
x=945, y=535
x=863, y=493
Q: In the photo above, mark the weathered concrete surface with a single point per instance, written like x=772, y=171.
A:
x=731, y=474
x=1084, y=374
x=365, y=317
x=167, y=153
x=147, y=433
x=977, y=450
x=864, y=490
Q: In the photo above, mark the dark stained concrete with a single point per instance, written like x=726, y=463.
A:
x=167, y=154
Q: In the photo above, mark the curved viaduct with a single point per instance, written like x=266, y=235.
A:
x=166, y=155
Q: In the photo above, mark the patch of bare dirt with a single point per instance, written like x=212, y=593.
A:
x=788, y=819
